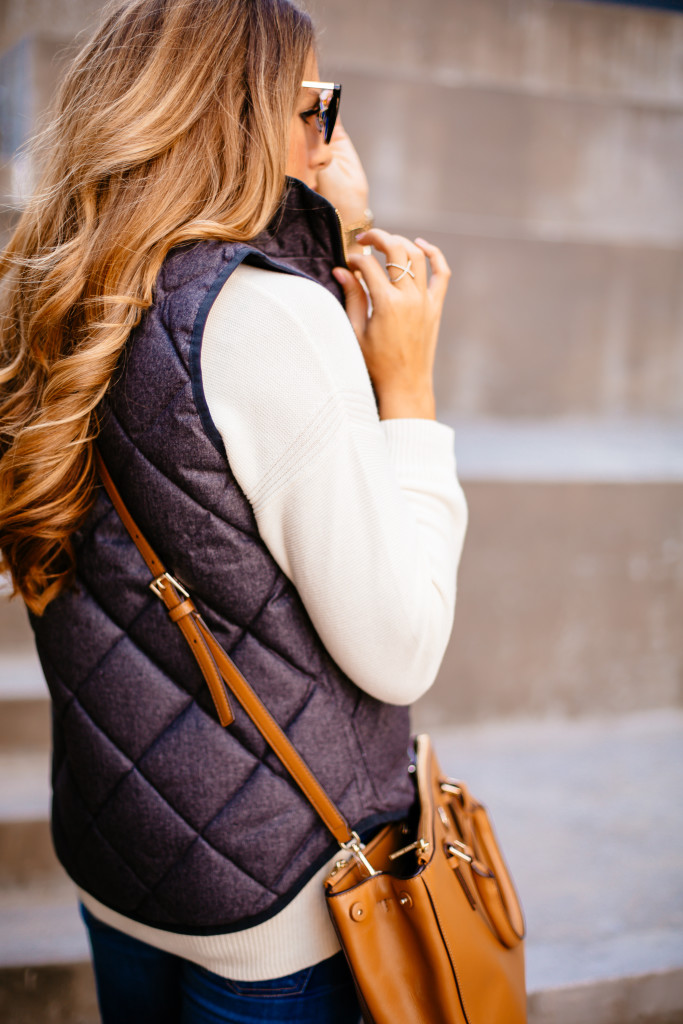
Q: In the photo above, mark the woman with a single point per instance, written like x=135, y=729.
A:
x=178, y=289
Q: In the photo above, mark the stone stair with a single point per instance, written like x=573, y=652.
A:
x=587, y=814
x=45, y=974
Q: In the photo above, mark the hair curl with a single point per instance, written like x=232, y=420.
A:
x=171, y=125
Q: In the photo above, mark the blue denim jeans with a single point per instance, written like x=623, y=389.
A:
x=139, y=984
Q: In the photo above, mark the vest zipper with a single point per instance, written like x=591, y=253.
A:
x=343, y=239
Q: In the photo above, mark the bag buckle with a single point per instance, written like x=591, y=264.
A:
x=158, y=584
x=354, y=846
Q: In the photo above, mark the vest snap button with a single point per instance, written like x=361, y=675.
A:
x=405, y=899
x=357, y=911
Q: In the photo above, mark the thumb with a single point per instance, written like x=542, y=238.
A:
x=356, y=300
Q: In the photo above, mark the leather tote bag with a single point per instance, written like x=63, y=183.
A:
x=435, y=934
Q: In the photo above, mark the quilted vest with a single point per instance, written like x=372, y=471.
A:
x=157, y=811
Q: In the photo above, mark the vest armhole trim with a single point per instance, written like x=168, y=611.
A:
x=243, y=252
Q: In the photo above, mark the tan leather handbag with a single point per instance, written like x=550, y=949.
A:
x=426, y=912
x=434, y=935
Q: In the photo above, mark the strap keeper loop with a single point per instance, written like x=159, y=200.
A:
x=185, y=607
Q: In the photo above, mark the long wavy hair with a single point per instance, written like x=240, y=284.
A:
x=171, y=124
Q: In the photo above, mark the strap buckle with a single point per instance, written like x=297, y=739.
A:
x=354, y=846
x=158, y=584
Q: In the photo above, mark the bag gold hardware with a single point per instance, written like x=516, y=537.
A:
x=459, y=850
x=450, y=787
x=444, y=817
x=357, y=912
x=419, y=844
x=355, y=847
x=338, y=866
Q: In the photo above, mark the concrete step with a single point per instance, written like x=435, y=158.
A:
x=570, y=588
x=25, y=724
x=598, y=51
x=45, y=972
x=24, y=699
x=654, y=998
x=570, y=599
x=553, y=209
x=588, y=815
x=61, y=994
x=568, y=449
x=581, y=170
x=26, y=852
x=541, y=326
x=41, y=927
x=16, y=638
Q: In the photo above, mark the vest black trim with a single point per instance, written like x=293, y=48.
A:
x=242, y=254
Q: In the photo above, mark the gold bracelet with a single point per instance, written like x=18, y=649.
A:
x=352, y=230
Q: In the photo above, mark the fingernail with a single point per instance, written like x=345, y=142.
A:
x=338, y=274
x=421, y=241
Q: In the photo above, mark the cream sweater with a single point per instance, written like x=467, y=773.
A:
x=366, y=517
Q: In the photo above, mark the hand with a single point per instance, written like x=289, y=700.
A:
x=343, y=181
x=399, y=339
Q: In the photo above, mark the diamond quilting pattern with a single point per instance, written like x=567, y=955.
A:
x=265, y=808
x=99, y=868
x=161, y=835
x=201, y=785
x=100, y=635
x=69, y=806
x=142, y=703
x=94, y=761
x=204, y=878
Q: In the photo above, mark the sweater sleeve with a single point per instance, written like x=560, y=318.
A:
x=365, y=517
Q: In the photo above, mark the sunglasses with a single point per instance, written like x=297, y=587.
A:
x=325, y=111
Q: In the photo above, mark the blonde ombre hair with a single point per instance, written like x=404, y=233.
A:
x=171, y=124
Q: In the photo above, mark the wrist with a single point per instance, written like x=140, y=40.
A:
x=395, y=405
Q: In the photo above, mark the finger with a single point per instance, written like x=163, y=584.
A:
x=416, y=260
x=393, y=246
x=419, y=264
x=399, y=250
x=356, y=301
x=441, y=272
x=374, y=274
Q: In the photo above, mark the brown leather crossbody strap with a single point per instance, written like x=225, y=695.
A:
x=178, y=603
x=221, y=672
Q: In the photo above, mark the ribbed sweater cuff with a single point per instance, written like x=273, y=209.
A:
x=420, y=447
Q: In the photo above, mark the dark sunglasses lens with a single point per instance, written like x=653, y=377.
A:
x=330, y=114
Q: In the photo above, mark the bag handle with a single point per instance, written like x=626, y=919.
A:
x=221, y=675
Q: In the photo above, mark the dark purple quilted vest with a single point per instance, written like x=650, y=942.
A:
x=157, y=811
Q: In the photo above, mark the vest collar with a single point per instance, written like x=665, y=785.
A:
x=306, y=234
